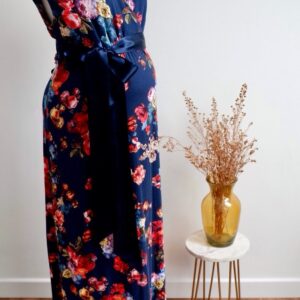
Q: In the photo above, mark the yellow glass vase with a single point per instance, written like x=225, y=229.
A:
x=220, y=210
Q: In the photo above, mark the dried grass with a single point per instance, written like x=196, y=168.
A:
x=219, y=147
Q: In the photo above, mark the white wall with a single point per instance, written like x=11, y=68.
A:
x=208, y=48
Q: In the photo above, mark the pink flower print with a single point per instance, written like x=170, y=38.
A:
x=131, y=4
x=99, y=285
x=86, y=8
x=70, y=100
x=141, y=112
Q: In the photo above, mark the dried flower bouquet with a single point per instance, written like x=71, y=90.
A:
x=220, y=148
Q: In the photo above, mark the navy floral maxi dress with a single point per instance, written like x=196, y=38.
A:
x=104, y=217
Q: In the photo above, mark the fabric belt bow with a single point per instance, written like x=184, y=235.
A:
x=111, y=198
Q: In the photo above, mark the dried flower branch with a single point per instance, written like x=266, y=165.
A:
x=220, y=148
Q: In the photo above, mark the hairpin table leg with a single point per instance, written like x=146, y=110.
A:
x=203, y=279
x=196, y=275
x=211, y=280
x=229, y=278
x=237, y=295
x=219, y=283
x=239, y=277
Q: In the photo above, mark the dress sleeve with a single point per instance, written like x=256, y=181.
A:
x=67, y=23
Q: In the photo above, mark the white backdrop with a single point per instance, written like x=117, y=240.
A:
x=208, y=48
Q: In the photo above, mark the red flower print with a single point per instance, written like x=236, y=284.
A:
x=70, y=101
x=139, y=17
x=161, y=295
x=87, y=42
x=132, y=148
x=47, y=135
x=47, y=179
x=51, y=207
x=147, y=129
x=140, y=232
x=118, y=20
x=59, y=218
x=66, y=4
x=132, y=124
x=86, y=143
x=59, y=76
x=51, y=234
x=88, y=184
x=80, y=264
x=141, y=112
x=119, y=265
x=157, y=233
x=73, y=289
x=87, y=235
x=117, y=288
x=139, y=174
x=156, y=181
x=72, y=20
x=70, y=195
x=52, y=257
x=135, y=276
x=79, y=124
x=99, y=285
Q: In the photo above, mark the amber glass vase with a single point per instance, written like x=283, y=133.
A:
x=220, y=210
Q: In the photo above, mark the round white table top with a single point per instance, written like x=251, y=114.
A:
x=197, y=245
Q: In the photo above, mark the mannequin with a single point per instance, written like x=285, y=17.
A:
x=48, y=10
x=119, y=241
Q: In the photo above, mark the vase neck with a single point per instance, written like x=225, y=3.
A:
x=221, y=189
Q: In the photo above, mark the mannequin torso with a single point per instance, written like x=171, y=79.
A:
x=48, y=9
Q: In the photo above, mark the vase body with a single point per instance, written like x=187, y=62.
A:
x=220, y=210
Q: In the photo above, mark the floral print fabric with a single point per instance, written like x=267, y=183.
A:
x=80, y=266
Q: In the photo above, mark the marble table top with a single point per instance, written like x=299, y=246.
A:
x=197, y=245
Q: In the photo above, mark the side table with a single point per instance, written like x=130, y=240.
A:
x=197, y=245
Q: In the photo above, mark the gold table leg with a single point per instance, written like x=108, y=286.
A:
x=235, y=282
x=194, y=277
x=195, y=288
x=211, y=280
x=229, y=280
x=239, y=277
x=219, y=283
x=204, y=280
